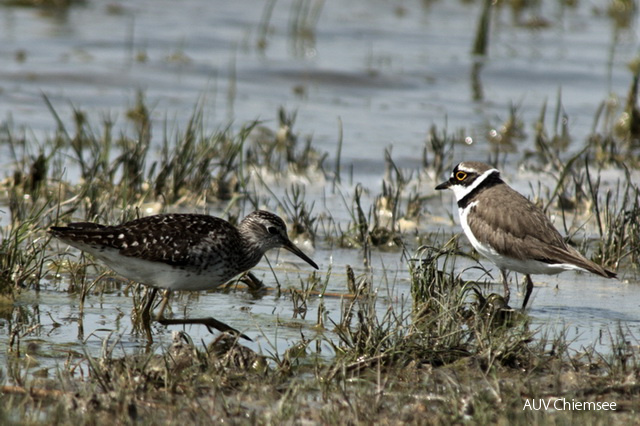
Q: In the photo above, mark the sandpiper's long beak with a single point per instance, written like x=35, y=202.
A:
x=295, y=250
x=444, y=185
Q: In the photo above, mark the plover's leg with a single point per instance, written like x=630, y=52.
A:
x=529, y=283
x=505, y=283
x=163, y=304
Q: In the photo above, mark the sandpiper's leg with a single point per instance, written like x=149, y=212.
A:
x=527, y=280
x=505, y=283
x=146, y=312
x=163, y=304
x=209, y=322
x=146, y=327
x=252, y=281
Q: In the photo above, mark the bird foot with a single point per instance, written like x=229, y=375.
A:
x=209, y=322
x=253, y=282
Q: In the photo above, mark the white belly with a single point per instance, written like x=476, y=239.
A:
x=157, y=274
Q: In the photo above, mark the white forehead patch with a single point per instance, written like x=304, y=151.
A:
x=465, y=168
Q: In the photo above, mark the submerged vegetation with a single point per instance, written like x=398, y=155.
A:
x=452, y=352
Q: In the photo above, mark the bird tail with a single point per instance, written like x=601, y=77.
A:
x=609, y=273
x=590, y=266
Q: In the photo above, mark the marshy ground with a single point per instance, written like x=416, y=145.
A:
x=342, y=121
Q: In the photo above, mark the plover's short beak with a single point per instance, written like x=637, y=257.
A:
x=295, y=250
x=444, y=185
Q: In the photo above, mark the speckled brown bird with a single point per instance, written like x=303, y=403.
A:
x=189, y=252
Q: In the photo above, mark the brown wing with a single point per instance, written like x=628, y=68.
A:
x=517, y=228
x=513, y=225
x=174, y=239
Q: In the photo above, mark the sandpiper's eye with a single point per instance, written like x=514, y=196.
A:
x=460, y=175
x=272, y=230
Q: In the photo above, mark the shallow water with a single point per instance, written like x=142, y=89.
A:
x=386, y=72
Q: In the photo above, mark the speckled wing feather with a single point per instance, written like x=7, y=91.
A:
x=173, y=239
x=518, y=229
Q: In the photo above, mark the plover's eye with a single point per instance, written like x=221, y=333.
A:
x=460, y=175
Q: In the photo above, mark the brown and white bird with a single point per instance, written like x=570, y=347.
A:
x=508, y=229
x=189, y=252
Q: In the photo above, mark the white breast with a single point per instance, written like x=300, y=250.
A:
x=484, y=249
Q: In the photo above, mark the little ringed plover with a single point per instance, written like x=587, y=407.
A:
x=508, y=229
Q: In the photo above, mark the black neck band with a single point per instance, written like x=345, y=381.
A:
x=492, y=180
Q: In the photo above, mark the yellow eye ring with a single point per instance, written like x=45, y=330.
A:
x=460, y=175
